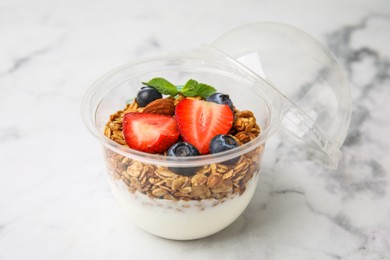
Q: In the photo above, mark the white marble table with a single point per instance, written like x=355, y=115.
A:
x=55, y=202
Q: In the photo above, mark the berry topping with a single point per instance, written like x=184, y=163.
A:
x=199, y=121
x=221, y=143
x=147, y=95
x=151, y=133
x=183, y=149
x=220, y=98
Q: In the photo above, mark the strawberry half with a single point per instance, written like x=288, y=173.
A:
x=199, y=121
x=151, y=133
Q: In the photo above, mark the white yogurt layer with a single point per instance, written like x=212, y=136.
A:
x=181, y=220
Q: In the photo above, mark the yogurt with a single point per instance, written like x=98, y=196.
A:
x=181, y=220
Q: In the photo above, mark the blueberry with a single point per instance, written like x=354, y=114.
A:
x=147, y=95
x=220, y=98
x=221, y=143
x=183, y=149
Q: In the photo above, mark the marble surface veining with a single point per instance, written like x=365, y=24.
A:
x=55, y=202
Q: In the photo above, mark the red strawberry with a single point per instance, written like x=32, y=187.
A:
x=199, y=121
x=151, y=133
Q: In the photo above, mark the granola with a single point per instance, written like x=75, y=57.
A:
x=216, y=181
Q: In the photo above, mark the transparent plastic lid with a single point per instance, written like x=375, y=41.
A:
x=311, y=83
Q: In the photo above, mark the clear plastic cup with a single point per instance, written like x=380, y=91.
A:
x=224, y=191
x=166, y=217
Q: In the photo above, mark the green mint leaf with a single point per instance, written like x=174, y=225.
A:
x=193, y=88
x=190, y=88
x=205, y=90
x=162, y=85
